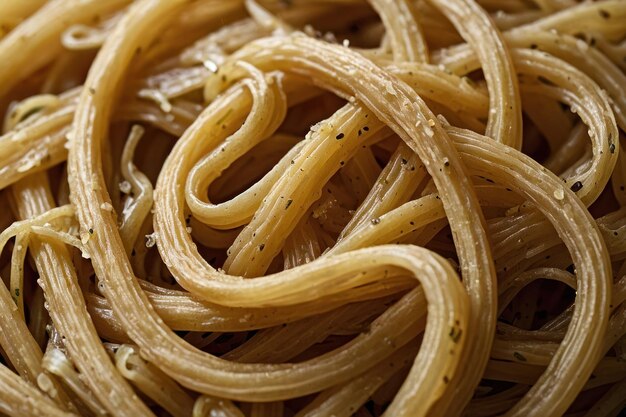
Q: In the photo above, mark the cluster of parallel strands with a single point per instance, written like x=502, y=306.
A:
x=313, y=208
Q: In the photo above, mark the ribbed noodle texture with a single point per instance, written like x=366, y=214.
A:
x=313, y=208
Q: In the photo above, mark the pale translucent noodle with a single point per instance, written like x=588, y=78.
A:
x=267, y=208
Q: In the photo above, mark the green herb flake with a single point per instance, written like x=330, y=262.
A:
x=455, y=334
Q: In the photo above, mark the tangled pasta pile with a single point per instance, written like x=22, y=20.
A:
x=313, y=208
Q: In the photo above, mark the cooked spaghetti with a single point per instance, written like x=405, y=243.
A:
x=271, y=208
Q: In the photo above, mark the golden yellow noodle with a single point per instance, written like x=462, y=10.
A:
x=271, y=208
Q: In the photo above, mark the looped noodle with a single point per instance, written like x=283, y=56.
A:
x=305, y=208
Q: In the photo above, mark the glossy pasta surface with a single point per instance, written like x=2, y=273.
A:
x=303, y=208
